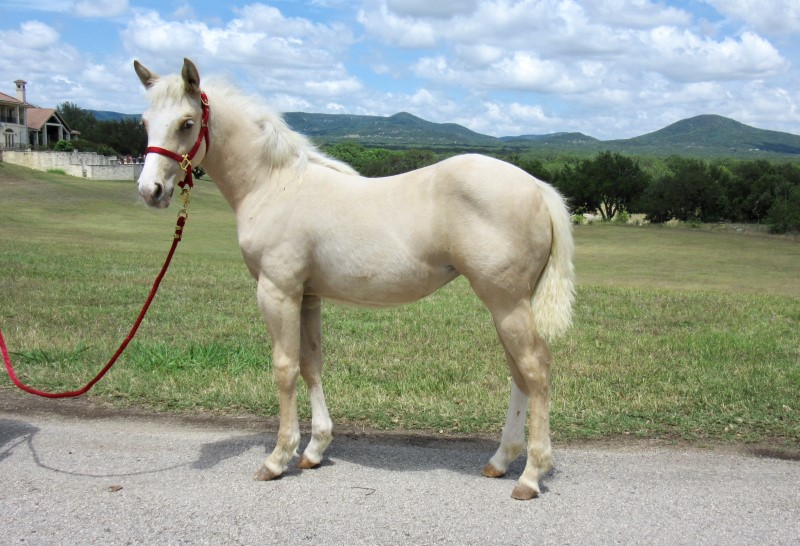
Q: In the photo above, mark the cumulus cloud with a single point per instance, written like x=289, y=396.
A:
x=279, y=54
x=79, y=8
x=636, y=13
x=100, y=8
x=396, y=29
x=35, y=48
x=428, y=8
x=684, y=56
x=773, y=17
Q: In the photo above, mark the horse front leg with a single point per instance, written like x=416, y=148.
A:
x=282, y=314
x=311, y=370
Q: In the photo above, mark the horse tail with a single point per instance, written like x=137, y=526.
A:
x=555, y=290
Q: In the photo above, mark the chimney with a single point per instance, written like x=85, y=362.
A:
x=21, y=91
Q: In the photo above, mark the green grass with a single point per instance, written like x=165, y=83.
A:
x=678, y=333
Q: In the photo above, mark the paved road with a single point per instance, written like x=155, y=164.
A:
x=73, y=473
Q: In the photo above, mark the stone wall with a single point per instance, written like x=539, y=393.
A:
x=82, y=164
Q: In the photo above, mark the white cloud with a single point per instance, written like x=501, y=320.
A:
x=100, y=8
x=33, y=35
x=398, y=30
x=684, y=56
x=34, y=52
x=79, y=8
x=260, y=36
x=511, y=119
x=429, y=8
x=636, y=13
x=775, y=16
x=334, y=87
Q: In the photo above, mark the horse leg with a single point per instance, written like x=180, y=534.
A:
x=282, y=315
x=512, y=441
x=311, y=370
x=532, y=358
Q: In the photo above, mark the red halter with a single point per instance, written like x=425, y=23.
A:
x=185, y=161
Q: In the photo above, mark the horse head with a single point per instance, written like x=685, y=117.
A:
x=176, y=130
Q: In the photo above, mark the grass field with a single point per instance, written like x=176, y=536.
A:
x=679, y=333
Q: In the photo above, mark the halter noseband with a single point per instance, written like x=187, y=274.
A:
x=185, y=161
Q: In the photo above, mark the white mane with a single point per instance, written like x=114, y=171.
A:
x=280, y=143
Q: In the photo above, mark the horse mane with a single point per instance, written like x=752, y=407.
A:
x=282, y=146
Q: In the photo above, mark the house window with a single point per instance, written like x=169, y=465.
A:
x=9, y=134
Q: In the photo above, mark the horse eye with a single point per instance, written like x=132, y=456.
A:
x=188, y=124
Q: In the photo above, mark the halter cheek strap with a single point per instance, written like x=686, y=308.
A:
x=185, y=161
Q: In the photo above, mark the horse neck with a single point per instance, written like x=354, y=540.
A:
x=236, y=161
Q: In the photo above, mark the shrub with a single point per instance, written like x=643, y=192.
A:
x=106, y=150
x=63, y=146
x=622, y=217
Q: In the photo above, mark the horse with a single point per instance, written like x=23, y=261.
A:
x=311, y=229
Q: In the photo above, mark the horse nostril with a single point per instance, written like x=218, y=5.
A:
x=158, y=192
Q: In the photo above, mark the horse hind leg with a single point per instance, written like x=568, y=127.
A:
x=311, y=370
x=529, y=353
x=512, y=440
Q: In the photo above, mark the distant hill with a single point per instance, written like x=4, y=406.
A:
x=102, y=115
x=401, y=130
x=711, y=135
x=700, y=136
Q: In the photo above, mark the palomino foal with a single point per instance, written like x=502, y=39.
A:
x=310, y=228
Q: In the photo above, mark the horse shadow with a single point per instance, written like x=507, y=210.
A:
x=384, y=451
x=14, y=434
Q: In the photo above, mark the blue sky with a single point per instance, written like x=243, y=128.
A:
x=607, y=68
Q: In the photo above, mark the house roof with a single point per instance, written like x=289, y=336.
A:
x=8, y=98
x=37, y=117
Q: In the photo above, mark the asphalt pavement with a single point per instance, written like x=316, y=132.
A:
x=74, y=472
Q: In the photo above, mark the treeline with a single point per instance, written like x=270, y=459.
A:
x=611, y=184
x=124, y=137
x=690, y=190
x=375, y=162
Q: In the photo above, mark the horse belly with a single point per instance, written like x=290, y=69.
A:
x=380, y=287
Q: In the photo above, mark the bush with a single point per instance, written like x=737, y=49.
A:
x=63, y=146
x=622, y=217
x=106, y=150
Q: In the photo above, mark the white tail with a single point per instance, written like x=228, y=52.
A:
x=555, y=291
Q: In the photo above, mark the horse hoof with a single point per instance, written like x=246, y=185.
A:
x=305, y=464
x=491, y=472
x=264, y=474
x=524, y=492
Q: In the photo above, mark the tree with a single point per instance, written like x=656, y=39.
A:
x=532, y=166
x=691, y=192
x=398, y=162
x=784, y=214
x=609, y=183
x=125, y=136
x=78, y=119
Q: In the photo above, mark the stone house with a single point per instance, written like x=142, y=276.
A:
x=23, y=125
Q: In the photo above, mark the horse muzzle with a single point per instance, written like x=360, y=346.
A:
x=156, y=195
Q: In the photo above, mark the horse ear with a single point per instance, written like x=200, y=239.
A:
x=191, y=77
x=147, y=78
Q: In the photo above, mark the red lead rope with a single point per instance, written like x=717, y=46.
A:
x=185, y=162
x=70, y=394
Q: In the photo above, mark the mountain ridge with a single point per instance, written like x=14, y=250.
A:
x=705, y=135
